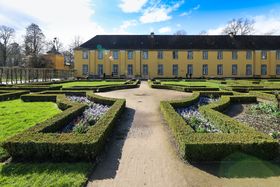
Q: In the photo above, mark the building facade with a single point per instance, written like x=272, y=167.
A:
x=150, y=56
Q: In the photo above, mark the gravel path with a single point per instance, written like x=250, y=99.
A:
x=141, y=151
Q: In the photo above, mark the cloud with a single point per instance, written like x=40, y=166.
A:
x=264, y=24
x=159, y=12
x=189, y=12
x=267, y=24
x=125, y=25
x=56, y=18
x=164, y=30
x=130, y=6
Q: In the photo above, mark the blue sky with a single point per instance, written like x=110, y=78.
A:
x=85, y=18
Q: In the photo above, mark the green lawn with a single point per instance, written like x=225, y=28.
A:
x=17, y=116
x=92, y=83
x=44, y=174
x=208, y=84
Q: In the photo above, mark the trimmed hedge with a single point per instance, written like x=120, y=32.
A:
x=11, y=94
x=43, y=142
x=235, y=136
x=181, y=88
x=264, y=95
x=105, y=88
x=31, y=88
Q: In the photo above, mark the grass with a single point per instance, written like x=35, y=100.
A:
x=208, y=84
x=44, y=174
x=17, y=116
x=88, y=83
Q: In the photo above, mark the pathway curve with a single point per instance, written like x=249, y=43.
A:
x=141, y=151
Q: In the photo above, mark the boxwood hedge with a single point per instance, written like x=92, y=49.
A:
x=11, y=94
x=235, y=136
x=44, y=142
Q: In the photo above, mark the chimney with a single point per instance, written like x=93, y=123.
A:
x=152, y=34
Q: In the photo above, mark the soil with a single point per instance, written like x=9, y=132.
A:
x=262, y=122
x=141, y=151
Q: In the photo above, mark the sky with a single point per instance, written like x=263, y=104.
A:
x=66, y=19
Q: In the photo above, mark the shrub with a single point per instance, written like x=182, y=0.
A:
x=42, y=142
x=235, y=136
x=11, y=94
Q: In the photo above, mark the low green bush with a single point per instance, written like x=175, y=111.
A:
x=43, y=142
x=235, y=136
x=11, y=94
x=31, y=88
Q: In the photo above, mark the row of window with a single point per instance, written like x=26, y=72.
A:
x=175, y=55
x=175, y=69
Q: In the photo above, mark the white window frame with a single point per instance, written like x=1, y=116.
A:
x=100, y=54
x=160, y=54
x=263, y=55
x=220, y=55
x=160, y=71
x=145, y=54
x=204, y=69
x=234, y=55
x=232, y=69
x=115, y=54
x=190, y=55
x=130, y=55
x=220, y=72
x=85, y=54
x=249, y=55
x=175, y=54
x=205, y=55
x=251, y=69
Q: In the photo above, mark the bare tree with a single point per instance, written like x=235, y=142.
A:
x=33, y=40
x=180, y=32
x=69, y=54
x=240, y=26
x=6, y=34
x=15, y=57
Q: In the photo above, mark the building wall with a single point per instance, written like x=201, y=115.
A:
x=167, y=61
x=57, y=60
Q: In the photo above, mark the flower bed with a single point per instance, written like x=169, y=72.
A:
x=194, y=118
x=264, y=117
x=89, y=117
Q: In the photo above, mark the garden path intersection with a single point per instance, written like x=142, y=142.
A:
x=141, y=151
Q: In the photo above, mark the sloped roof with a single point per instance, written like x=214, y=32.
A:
x=254, y=42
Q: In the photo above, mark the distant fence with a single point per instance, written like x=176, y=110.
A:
x=15, y=75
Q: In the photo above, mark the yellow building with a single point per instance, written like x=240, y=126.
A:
x=57, y=60
x=150, y=56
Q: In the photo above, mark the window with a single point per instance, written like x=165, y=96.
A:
x=129, y=69
x=85, y=54
x=190, y=55
x=190, y=69
x=145, y=69
x=115, y=54
x=204, y=69
x=145, y=55
x=234, y=55
x=160, y=54
x=278, y=55
x=160, y=69
x=220, y=55
x=264, y=55
x=219, y=69
x=175, y=54
x=130, y=55
x=204, y=55
x=100, y=54
x=115, y=69
x=263, y=69
x=175, y=69
x=100, y=69
x=248, y=55
x=234, y=69
x=278, y=69
x=85, y=69
x=248, y=69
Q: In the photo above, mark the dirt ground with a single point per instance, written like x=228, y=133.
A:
x=141, y=151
